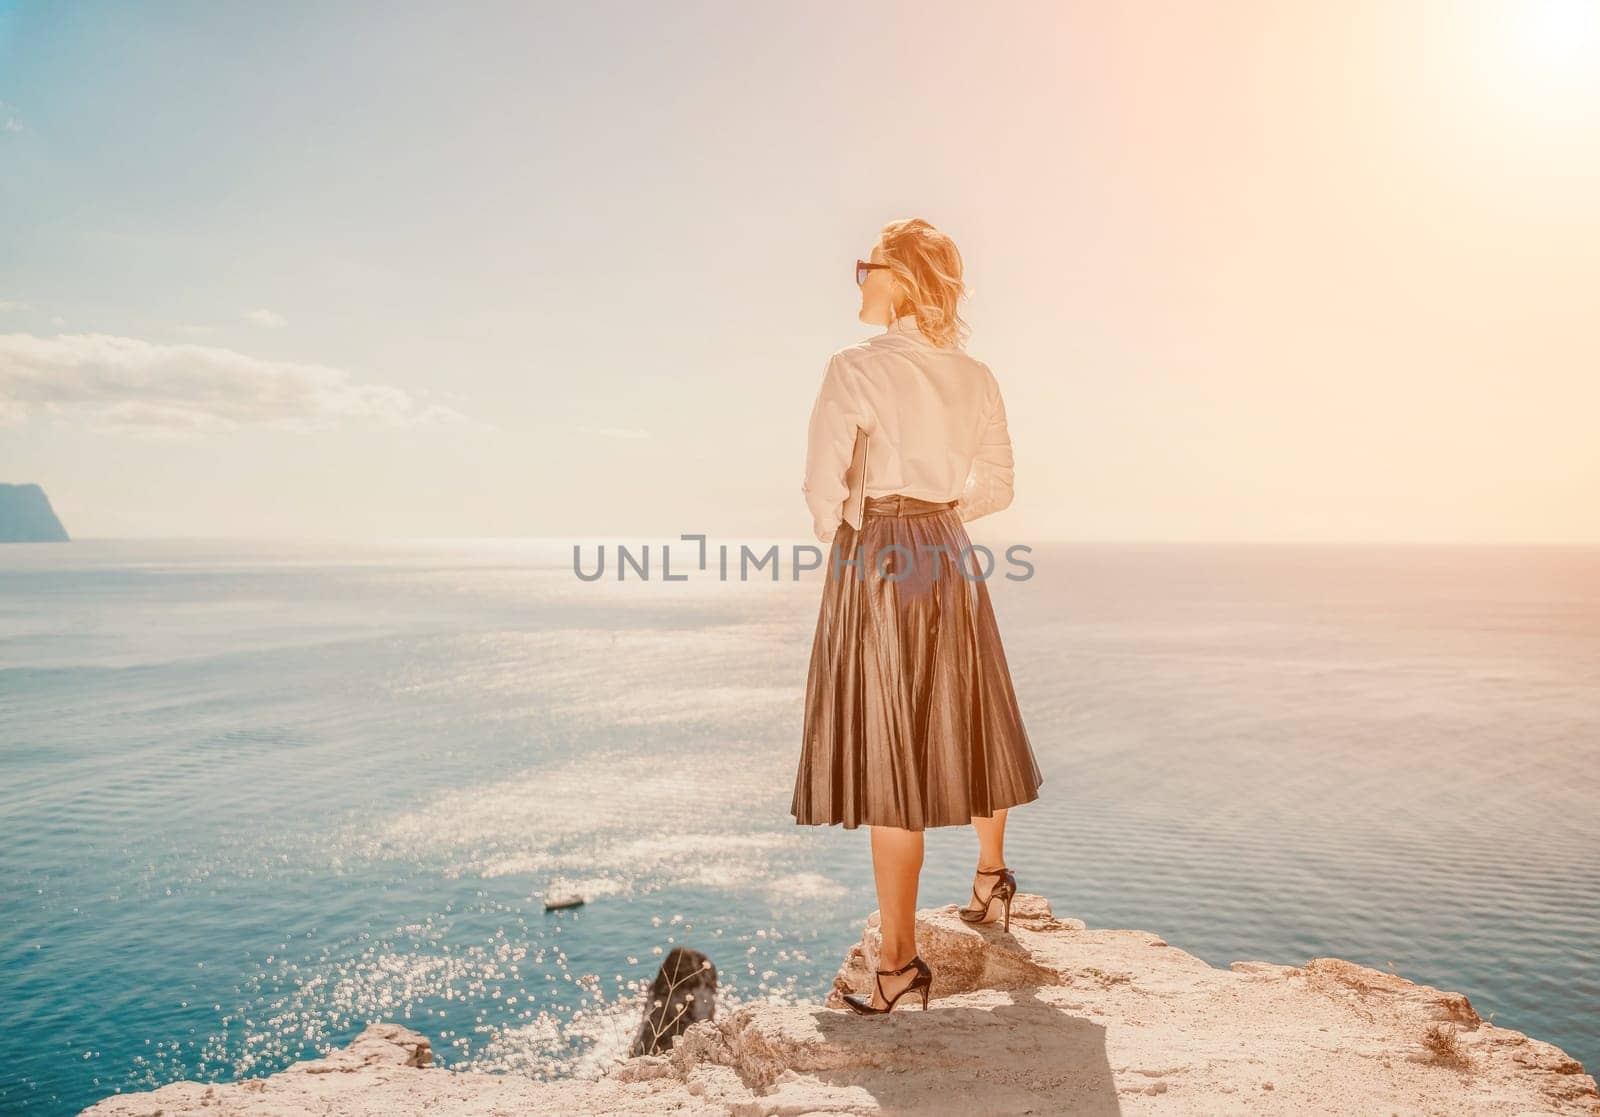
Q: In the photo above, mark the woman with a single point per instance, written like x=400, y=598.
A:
x=910, y=716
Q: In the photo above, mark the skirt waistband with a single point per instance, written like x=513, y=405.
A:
x=899, y=504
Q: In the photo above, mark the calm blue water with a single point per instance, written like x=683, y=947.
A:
x=254, y=795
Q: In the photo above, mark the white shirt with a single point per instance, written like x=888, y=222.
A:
x=936, y=424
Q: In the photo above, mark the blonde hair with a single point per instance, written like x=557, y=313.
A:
x=927, y=268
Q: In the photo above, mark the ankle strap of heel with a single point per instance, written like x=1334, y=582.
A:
x=915, y=958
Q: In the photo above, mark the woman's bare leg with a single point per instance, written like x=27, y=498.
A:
x=991, y=851
x=897, y=868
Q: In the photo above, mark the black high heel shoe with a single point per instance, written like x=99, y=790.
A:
x=1003, y=889
x=923, y=982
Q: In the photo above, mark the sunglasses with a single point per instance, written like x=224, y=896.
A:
x=862, y=268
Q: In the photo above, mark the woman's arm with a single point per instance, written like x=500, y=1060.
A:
x=992, y=481
x=830, y=440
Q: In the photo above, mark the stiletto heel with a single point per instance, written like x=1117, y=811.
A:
x=1004, y=889
x=922, y=983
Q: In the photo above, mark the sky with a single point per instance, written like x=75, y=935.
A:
x=1290, y=272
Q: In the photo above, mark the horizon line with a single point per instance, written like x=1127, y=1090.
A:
x=807, y=540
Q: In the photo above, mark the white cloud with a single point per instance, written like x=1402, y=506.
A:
x=8, y=119
x=124, y=384
x=13, y=304
x=265, y=317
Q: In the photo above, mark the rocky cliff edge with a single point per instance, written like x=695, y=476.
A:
x=1049, y=1018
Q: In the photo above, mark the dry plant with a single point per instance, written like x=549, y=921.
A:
x=1444, y=1048
x=684, y=991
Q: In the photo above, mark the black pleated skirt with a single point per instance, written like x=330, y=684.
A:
x=910, y=716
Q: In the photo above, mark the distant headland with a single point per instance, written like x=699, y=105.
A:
x=26, y=516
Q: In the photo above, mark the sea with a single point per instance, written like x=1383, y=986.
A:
x=254, y=795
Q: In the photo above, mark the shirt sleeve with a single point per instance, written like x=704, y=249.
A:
x=830, y=440
x=991, y=483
